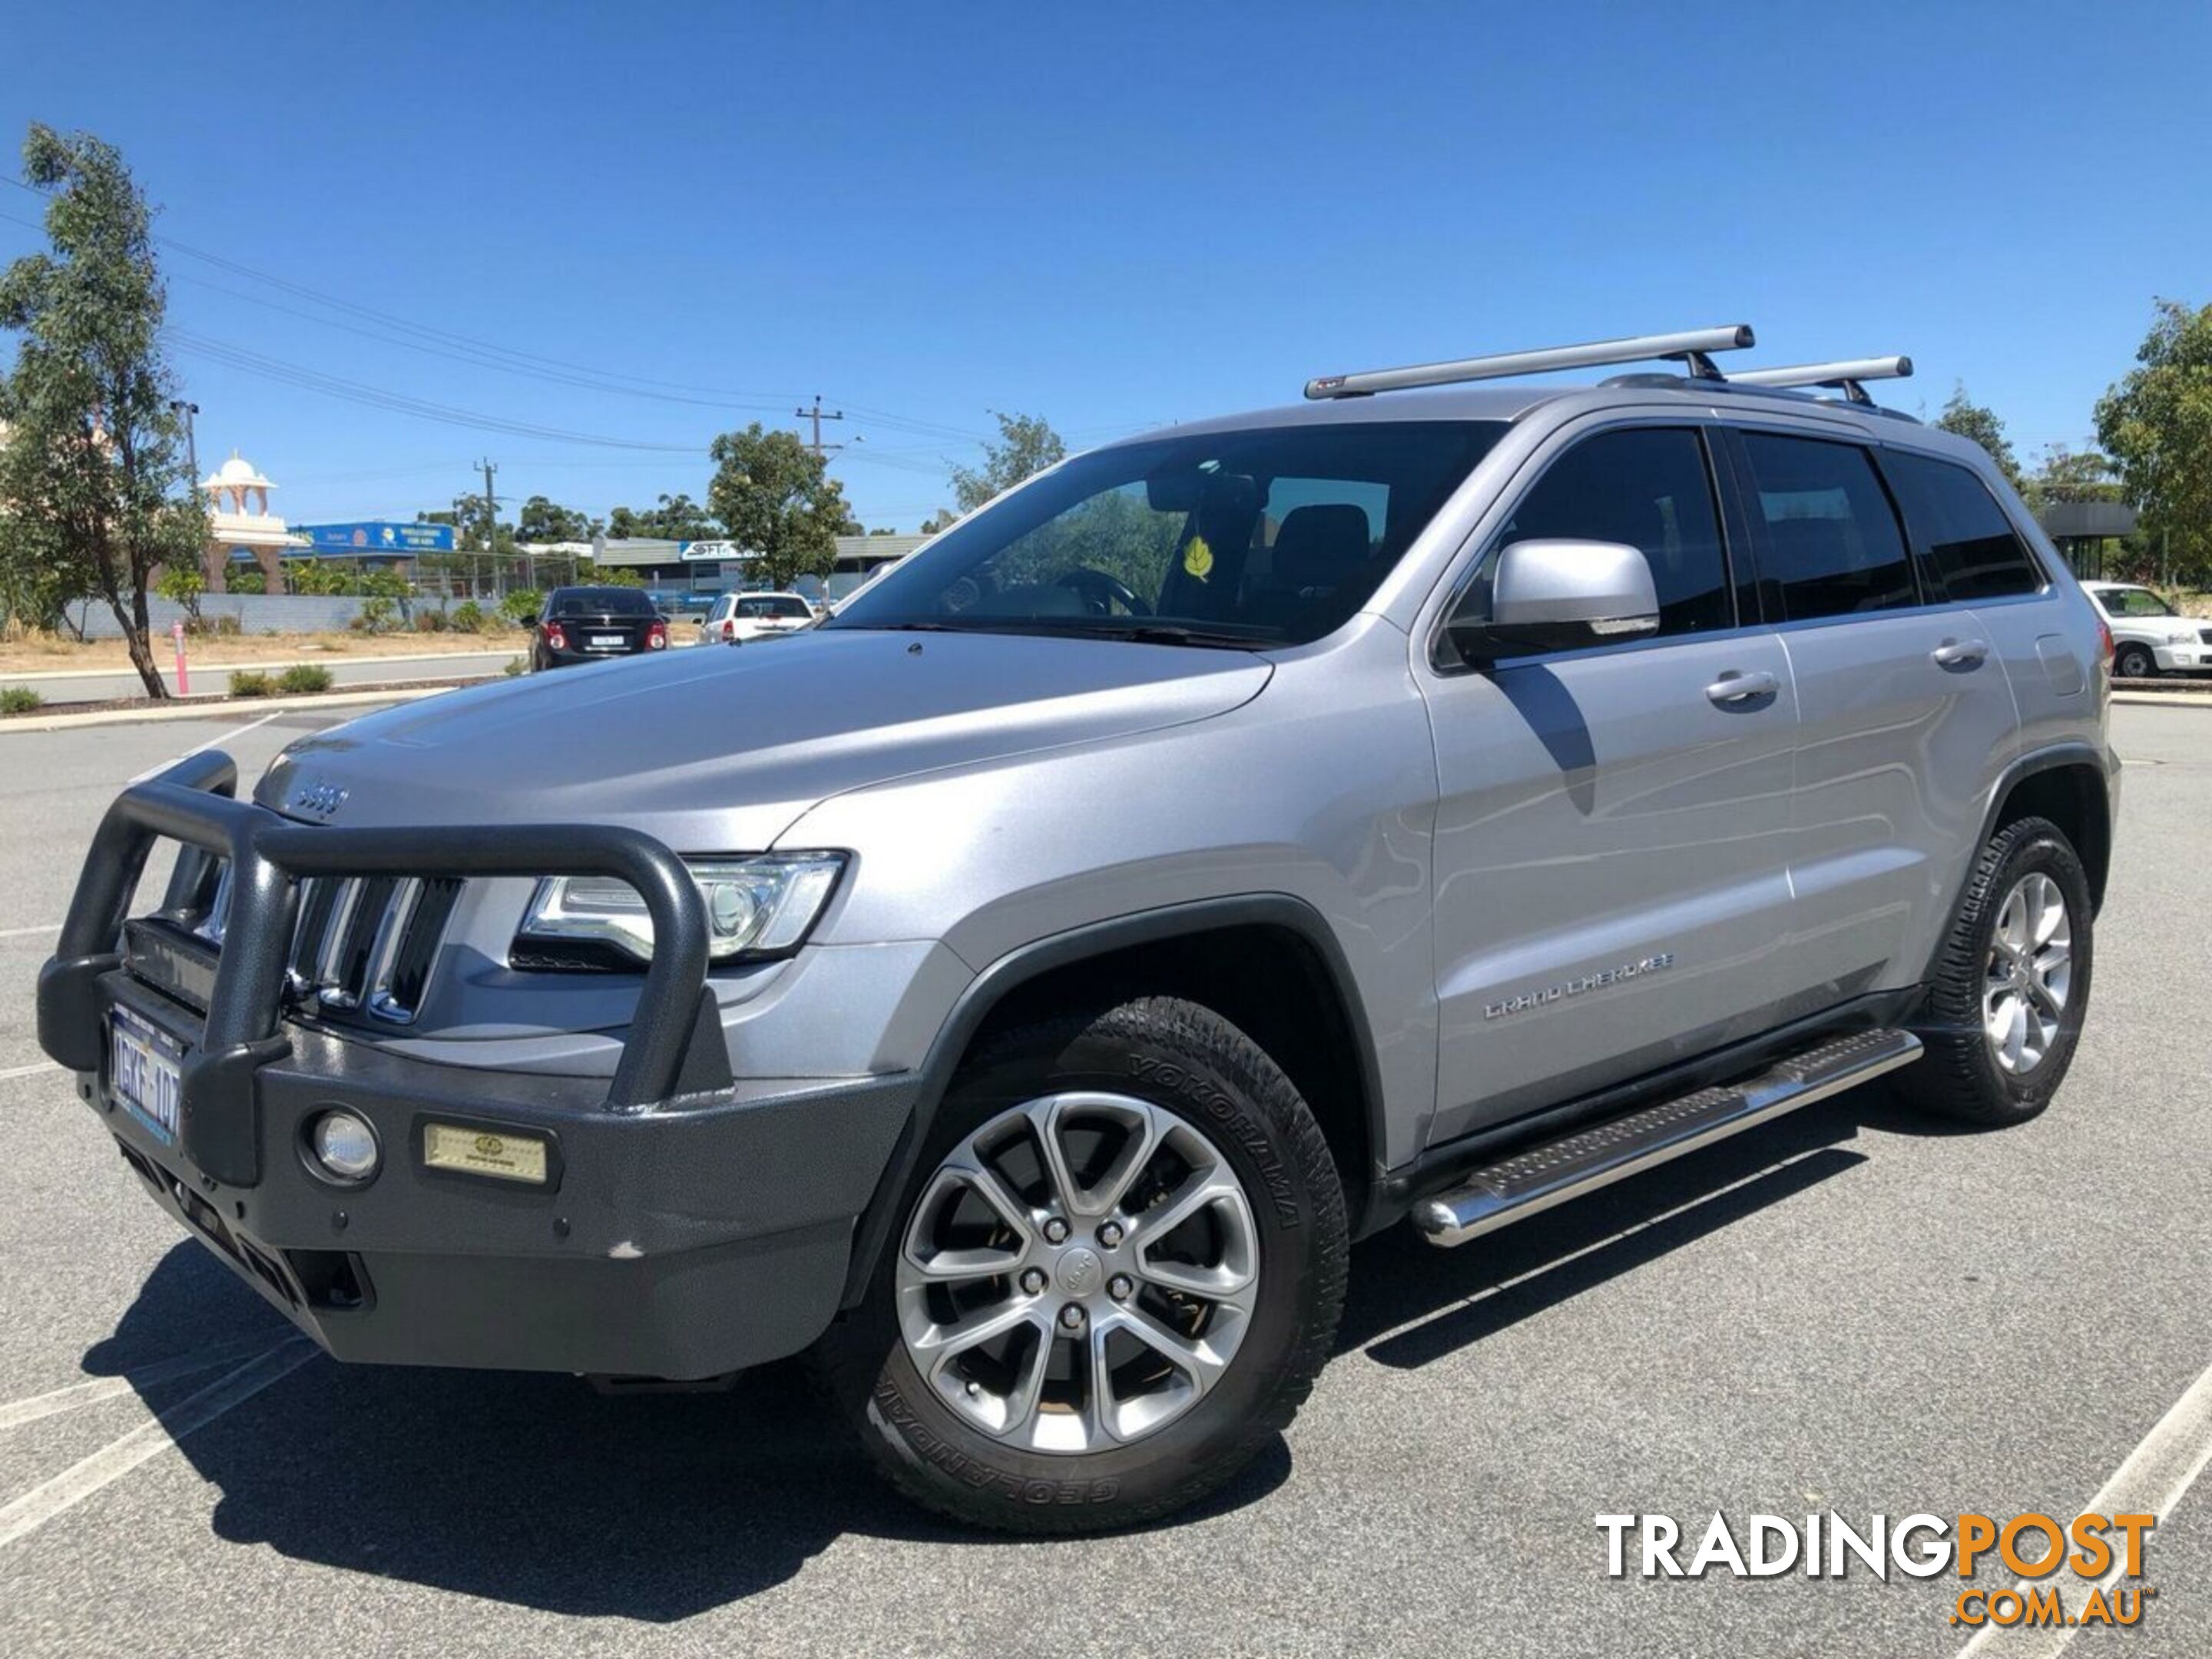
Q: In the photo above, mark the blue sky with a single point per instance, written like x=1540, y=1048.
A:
x=1116, y=218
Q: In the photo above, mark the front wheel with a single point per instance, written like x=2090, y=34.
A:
x=1113, y=1282
x=2134, y=662
x=2011, y=983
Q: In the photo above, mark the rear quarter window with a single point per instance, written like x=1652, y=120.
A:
x=1967, y=547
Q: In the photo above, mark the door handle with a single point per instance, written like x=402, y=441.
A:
x=1960, y=654
x=1733, y=687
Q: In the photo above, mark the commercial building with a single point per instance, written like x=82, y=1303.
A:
x=682, y=575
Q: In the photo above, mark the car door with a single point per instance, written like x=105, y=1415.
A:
x=1612, y=881
x=1903, y=707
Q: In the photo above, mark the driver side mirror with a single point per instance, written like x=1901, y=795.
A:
x=1561, y=596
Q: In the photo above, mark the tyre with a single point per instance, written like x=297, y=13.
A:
x=2011, y=983
x=1113, y=1281
x=2134, y=662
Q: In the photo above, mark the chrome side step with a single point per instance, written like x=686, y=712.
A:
x=1554, y=1171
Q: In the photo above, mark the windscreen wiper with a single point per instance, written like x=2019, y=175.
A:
x=1173, y=633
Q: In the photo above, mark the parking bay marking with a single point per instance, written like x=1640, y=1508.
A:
x=31, y=1070
x=84, y=1480
x=99, y=1390
x=2153, y=1479
x=199, y=749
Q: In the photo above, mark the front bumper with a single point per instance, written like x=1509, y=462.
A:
x=2192, y=657
x=682, y=1230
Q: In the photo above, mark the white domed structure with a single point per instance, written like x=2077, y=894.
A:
x=235, y=478
x=240, y=521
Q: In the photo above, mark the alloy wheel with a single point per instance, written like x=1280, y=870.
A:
x=2029, y=974
x=1078, y=1274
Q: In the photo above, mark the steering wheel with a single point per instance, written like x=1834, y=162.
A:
x=1100, y=591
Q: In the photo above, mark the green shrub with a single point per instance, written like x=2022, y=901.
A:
x=302, y=678
x=515, y=665
x=377, y=615
x=469, y=617
x=431, y=622
x=252, y=683
x=522, y=607
x=19, y=700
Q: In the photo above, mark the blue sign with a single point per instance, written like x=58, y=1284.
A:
x=377, y=537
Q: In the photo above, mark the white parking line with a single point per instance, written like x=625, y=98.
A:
x=2151, y=1481
x=29, y=1071
x=25, y=933
x=119, y=1457
x=17, y=1412
x=164, y=766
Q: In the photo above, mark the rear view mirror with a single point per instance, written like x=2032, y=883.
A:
x=1173, y=492
x=1200, y=489
x=1561, y=596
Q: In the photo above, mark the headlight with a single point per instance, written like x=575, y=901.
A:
x=756, y=907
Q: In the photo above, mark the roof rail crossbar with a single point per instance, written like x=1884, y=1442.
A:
x=1693, y=348
x=1844, y=376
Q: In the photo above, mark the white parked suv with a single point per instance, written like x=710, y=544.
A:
x=738, y=618
x=2149, y=637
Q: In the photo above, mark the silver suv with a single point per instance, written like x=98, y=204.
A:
x=1021, y=989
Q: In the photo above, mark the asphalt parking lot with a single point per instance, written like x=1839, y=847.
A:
x=1849, y=1309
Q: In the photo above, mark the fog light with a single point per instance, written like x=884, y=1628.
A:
x=344, y=1145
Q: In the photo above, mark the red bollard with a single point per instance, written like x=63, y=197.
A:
x=184, y=680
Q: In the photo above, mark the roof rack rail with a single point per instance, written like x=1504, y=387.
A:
x=1845, y=376
x=1690, y=348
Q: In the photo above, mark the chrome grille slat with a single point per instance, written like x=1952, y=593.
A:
x=384, y=949
x=359, y=944
x=331, y=950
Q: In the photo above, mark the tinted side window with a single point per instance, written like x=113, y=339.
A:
x=1959, y=531
x=1648, y=487
x=1833, y=545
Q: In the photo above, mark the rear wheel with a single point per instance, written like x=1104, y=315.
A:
x=2012, y=983
x=1113, y=1283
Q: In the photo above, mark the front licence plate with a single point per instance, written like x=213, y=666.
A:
x=602, y=641
x=142, y=1069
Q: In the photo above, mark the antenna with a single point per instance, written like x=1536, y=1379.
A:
x=1690, y=348
x=1844, y=376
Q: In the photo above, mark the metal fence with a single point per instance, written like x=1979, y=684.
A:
x=257, y=613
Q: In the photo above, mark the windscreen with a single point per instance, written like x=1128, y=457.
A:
x=1263, y=537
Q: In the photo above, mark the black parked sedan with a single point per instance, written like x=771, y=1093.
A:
x=583, y=624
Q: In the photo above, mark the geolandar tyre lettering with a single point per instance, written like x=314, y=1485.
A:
x=2004, y=1004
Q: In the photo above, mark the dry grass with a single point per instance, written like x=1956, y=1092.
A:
x=46, y=654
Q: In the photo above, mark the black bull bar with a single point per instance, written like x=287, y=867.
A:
x=194, y=803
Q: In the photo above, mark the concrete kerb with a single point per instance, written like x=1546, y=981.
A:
x=205, y=708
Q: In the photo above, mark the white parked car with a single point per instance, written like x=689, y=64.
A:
x=2149, y=636
x=738, y=618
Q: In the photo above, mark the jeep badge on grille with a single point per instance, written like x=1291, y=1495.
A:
x=317, y=800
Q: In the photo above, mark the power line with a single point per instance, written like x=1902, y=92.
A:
x=474, y=359
x=358, y=391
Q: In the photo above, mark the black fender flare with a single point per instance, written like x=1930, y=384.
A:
x=2058, y=756
x=1056, y=951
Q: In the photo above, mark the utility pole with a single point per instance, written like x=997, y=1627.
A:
x=491, y=522
x=212, y=572
x=822, y=450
